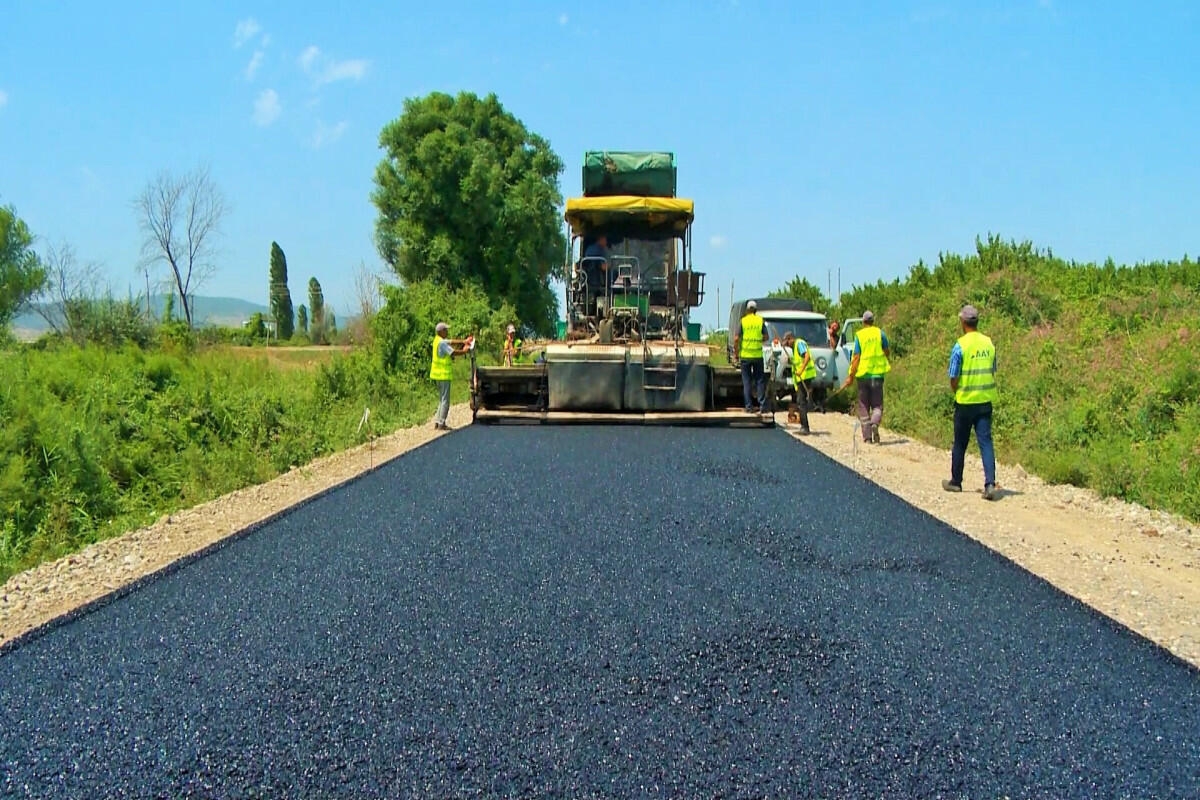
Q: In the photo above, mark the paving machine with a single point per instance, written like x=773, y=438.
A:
x=627, y=351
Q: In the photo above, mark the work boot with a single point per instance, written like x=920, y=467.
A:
x=875, y=436
x=990, y=492
x=951, y=486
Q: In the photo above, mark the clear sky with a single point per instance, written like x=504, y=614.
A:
x=813, y=136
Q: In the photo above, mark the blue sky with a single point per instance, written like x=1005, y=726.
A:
x=813, y=136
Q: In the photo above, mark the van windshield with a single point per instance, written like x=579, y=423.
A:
x=810, y=330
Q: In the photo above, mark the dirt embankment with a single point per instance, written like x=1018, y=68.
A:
x=1140, y=567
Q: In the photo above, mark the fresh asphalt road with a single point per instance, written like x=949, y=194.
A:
x=599, y=612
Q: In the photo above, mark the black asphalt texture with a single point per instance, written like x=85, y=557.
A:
x=599, y=612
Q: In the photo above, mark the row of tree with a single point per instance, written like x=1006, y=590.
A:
x=65, y=291
x=314, y=321
x=466, y=195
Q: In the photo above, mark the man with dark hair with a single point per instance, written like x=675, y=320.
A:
x=973, y=381
x=597, y=271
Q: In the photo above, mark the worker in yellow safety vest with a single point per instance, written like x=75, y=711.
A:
x=803, y=372
x=748, y=343
x=868, y=365
x=512, y=346
x=973, y=381
x=441, y=369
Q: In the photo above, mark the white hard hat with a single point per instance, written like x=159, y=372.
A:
x=512, y=329
x=752, y=304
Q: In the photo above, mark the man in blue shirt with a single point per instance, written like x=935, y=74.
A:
x=597, y=272
x=972, y=375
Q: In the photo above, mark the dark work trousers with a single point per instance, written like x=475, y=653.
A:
x=977, y=417
x=753, y=383
x=804, y=401
x=870, y=405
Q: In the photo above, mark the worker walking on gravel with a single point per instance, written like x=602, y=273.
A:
x=441, y=370
x=973, y=381
x=868, y=365
x=748, y=343
x=803, y=372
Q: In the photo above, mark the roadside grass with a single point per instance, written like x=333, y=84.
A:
x=288, y=357
x=97, y=441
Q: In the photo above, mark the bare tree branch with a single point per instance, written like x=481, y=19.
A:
x=69, y=287
x=367, y=291
x=180, y=220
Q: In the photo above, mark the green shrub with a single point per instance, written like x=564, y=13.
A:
x=403, y=329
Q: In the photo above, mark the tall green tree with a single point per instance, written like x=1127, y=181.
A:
x=803, y=289
x=302, y=319
x=281, y=295
x=467, y=195
x=316, y=311
x=21, y=272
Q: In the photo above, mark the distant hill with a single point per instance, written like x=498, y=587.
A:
x=229, y=311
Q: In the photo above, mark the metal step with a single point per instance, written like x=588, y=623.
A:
x=663, y=384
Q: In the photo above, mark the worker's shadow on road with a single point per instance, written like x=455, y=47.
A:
x=1002, y=493
x=893, y=442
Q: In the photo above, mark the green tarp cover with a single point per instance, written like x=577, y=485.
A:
x=614, y=172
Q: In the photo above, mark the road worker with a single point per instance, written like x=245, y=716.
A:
x=441, y=370
x=973, y=381
x=803, y=372
x=748, y=344
x=512, y=346
x=868, y=366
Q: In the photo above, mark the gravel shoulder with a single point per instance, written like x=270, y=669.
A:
x=1139, y=567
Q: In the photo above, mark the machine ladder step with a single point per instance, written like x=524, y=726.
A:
x=660, y=374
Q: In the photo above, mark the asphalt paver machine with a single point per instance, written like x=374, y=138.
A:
x=627, y=350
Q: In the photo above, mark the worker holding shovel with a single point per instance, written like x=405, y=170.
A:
x=803, y=372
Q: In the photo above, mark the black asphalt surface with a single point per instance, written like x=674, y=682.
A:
x=599, y=612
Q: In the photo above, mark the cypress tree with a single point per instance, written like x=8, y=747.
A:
x=316, y=311
x=281, y=296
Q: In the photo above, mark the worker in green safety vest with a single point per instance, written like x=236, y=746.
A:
x=441, y=369
x=973, y=381
x=868, y=365
x=803, y=372
x=748, y=343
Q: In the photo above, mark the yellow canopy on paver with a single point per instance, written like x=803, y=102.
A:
x=662, y=214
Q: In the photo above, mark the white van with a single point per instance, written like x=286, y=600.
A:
x=789, y=315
